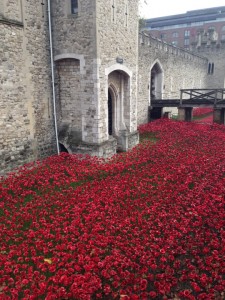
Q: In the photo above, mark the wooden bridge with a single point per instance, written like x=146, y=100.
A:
x=190, y=98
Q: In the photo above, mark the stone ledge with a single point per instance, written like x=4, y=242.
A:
x=11, y=22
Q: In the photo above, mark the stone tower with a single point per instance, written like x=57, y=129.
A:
x=26, y=119
x=96, y=63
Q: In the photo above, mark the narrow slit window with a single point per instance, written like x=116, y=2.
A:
x=113, y=11
x=74, y=7
x=212, y=68
x=209, y=68
x=126, y=15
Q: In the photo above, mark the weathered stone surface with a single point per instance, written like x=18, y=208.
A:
x=103, y=77
x=180, y=69
x=26, y=126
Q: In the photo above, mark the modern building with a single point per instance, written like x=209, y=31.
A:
x=186, y=30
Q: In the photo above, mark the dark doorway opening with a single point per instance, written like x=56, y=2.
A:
x=156, y=82
x=188, y=114
x=155, y=113
x=110, y=114
x=62, y=148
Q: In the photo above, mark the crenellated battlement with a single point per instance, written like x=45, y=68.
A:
x=149, y=41
x=210, y=46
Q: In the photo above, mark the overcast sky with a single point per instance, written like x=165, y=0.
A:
x=160, y=8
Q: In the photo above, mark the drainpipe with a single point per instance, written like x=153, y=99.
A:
x=53, y=75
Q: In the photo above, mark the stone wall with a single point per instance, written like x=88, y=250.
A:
x=180, y=69
x=12, y=10
x=39, y=90
x=26, y=122
x=15, y=142
x=68, y=89
x=75, y=38
x=96, y=51
x=215, y=52
x=118, y=51
x=97, y=36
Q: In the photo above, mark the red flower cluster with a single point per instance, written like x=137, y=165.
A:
x=148, y=224
x=205, y=119
x=199, y=111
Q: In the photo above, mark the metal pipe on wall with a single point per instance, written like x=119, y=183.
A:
x=53, y=75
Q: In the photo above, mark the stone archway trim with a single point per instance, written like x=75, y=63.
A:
x=157, y=62
x=118, y=67
x=114, y=95
x=73, y=56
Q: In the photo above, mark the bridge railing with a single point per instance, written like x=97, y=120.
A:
x=207, y=96
x=193, y=98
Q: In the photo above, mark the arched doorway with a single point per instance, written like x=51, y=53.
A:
x=156, y=82
x=112, y=110
x=118, y=102
x=121, y=108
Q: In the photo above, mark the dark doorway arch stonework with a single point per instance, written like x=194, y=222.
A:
x=119, y=109
x=156, y=81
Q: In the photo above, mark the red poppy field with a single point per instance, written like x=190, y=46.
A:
x=199, y=111
x=148, y=224
x=203, y=115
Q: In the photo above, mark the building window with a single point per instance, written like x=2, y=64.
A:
x=175, y=34
x=126, y=14
x=210, y=68
x=186, y=42
x=113, y=11
x=211, y=28
x=163, y=36
x=74, y=7
x=187, y=33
